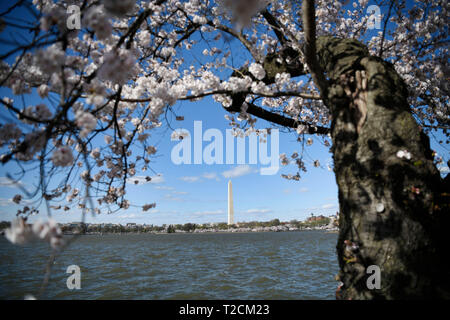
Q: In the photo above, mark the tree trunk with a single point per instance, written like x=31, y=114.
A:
x=391, y=210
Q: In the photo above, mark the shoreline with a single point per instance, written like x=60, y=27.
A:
x=326, y=230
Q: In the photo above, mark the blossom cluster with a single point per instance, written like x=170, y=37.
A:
x=62, y=157
x=117, y=67
x=21, y=233
x=119, y=77
x=86, y=121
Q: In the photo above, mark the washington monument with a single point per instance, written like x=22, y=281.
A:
x=230, y=204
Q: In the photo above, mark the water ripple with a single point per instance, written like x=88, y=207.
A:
x=289, y=265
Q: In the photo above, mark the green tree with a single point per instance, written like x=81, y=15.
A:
x=170, y=229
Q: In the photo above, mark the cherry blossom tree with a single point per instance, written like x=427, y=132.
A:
x=374, y=96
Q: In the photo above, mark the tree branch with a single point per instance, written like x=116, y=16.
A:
x=309, y=27
x=281, y=120
x=275, y=26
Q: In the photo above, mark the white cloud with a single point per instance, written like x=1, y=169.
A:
x=210, y=176
x=190, y=179
x=4, y=202
x=208, y=213
x=303, y=190
x=328, y=206
x=8, y=183
x=287, y=191
x=206, y=175
x=171, y=197
x=157, y=179
x=180, y=192
x=444, y=169
x=164, y=188
x=253, y=211
x=143, y=179
x=239, y=171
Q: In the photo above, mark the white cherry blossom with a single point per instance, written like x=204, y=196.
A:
x=257, y=71
x=62, y=157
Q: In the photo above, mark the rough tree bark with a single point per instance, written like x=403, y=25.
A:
x=392, y=209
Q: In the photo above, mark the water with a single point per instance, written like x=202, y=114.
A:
x=272, y=265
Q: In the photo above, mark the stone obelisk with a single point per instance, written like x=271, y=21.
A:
x=230, y=204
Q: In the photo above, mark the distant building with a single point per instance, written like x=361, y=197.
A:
x=314, y=218
x=75, y=225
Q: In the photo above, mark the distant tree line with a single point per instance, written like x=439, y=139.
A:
x=4, y=225
x=187, y=227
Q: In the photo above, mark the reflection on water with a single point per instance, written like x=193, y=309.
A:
x=275, y=265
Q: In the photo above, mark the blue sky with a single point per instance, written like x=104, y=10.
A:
x=198, y=193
